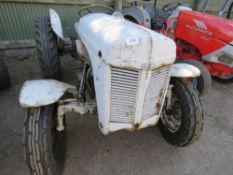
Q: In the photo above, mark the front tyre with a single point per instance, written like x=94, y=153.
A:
x=182, y=121
x=45, y=147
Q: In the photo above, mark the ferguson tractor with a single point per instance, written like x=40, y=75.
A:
x=129, y=76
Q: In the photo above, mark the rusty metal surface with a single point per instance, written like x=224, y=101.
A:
x=124, y=84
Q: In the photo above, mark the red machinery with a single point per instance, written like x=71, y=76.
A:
x=207, y=39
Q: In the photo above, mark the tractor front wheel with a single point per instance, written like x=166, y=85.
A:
x=182, y=120
x=45, y=147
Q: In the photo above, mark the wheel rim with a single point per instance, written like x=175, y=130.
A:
x=172, y=117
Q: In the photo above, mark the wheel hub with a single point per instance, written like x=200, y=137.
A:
x=172, y=117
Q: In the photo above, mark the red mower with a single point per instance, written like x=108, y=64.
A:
x=204, y=38
x=201, y=37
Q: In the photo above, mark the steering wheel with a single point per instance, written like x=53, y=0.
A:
x=171, y=6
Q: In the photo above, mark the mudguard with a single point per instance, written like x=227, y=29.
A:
x=38, y=93
x=183, y=70
x=56, y=23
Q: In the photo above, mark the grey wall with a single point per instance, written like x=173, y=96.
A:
x=17, y=16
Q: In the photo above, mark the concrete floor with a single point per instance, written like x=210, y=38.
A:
x=144, y=152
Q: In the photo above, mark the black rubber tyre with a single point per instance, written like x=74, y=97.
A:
x=47, y=48
x=191, y=115
x=203, y=83
x=229, y=13
x=4, y=76
x=45, y=148
x=224, y=79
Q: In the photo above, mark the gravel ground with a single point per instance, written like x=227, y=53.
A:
x=143, y=152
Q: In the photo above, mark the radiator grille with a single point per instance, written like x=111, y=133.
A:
x=124, y=85
x=154, y=95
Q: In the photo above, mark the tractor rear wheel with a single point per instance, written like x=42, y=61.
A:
x=203, y=83
x=47, y=48
x=182, y=121
x=4, y=76
x=226, y=79
x=45, y=147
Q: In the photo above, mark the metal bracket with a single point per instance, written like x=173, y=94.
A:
x=72, y=105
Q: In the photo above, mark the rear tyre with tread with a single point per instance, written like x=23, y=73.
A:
x=45, y=147
x=226, y=80
x=183, y=123
x=47, y=48
x=4, y=76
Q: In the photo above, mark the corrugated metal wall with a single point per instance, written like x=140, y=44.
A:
x=17, y=18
